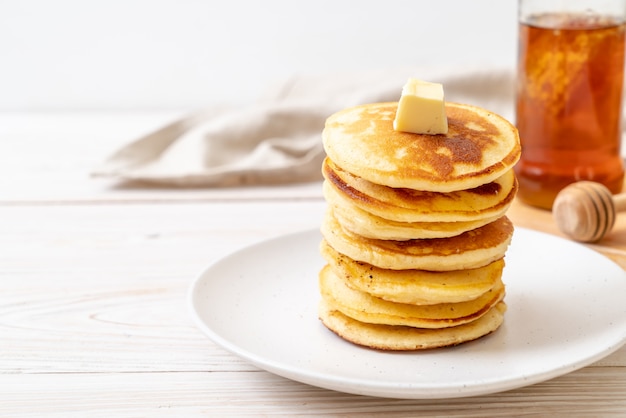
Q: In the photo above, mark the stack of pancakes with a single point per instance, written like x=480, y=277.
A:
x=415, y=232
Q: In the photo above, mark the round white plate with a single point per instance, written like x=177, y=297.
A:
x=567, y=309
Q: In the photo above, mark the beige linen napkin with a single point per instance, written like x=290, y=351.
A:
x=278, y=139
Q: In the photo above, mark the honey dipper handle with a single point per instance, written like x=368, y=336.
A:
x=619, y=200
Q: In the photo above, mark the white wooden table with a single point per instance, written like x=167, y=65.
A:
x=94, y=278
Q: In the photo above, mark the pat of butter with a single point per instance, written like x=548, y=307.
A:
x=421, y=109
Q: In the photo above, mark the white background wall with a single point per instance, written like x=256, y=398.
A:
x=174, y=54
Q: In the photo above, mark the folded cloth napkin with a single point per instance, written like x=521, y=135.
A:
x=278, y=139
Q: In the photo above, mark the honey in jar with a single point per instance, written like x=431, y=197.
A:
x=569, y=103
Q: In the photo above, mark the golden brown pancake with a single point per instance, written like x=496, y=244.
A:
x=479, y=147
x=403, y=338
x=360, y=222
x=367, y=308
x=472, y=249
x=414, y=286
x=489, y=200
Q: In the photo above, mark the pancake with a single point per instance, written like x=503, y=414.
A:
x=472, y=249
x=366, y=308
x=414, y=286
x=358, y=221
x=403, y=338
x=479, y=147
x=406, y=205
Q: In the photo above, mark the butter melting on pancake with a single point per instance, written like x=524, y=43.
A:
x=479, y=147
x=489, y=200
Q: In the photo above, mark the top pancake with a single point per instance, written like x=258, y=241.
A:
x=479, y=147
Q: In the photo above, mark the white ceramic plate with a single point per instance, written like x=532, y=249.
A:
x=567, y=309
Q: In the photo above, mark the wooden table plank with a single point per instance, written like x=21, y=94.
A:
x=104, y=287
x=588, y=392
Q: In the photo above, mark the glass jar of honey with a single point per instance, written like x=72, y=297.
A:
x=569, y=96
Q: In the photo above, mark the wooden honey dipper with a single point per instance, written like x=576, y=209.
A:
x=585, y=210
